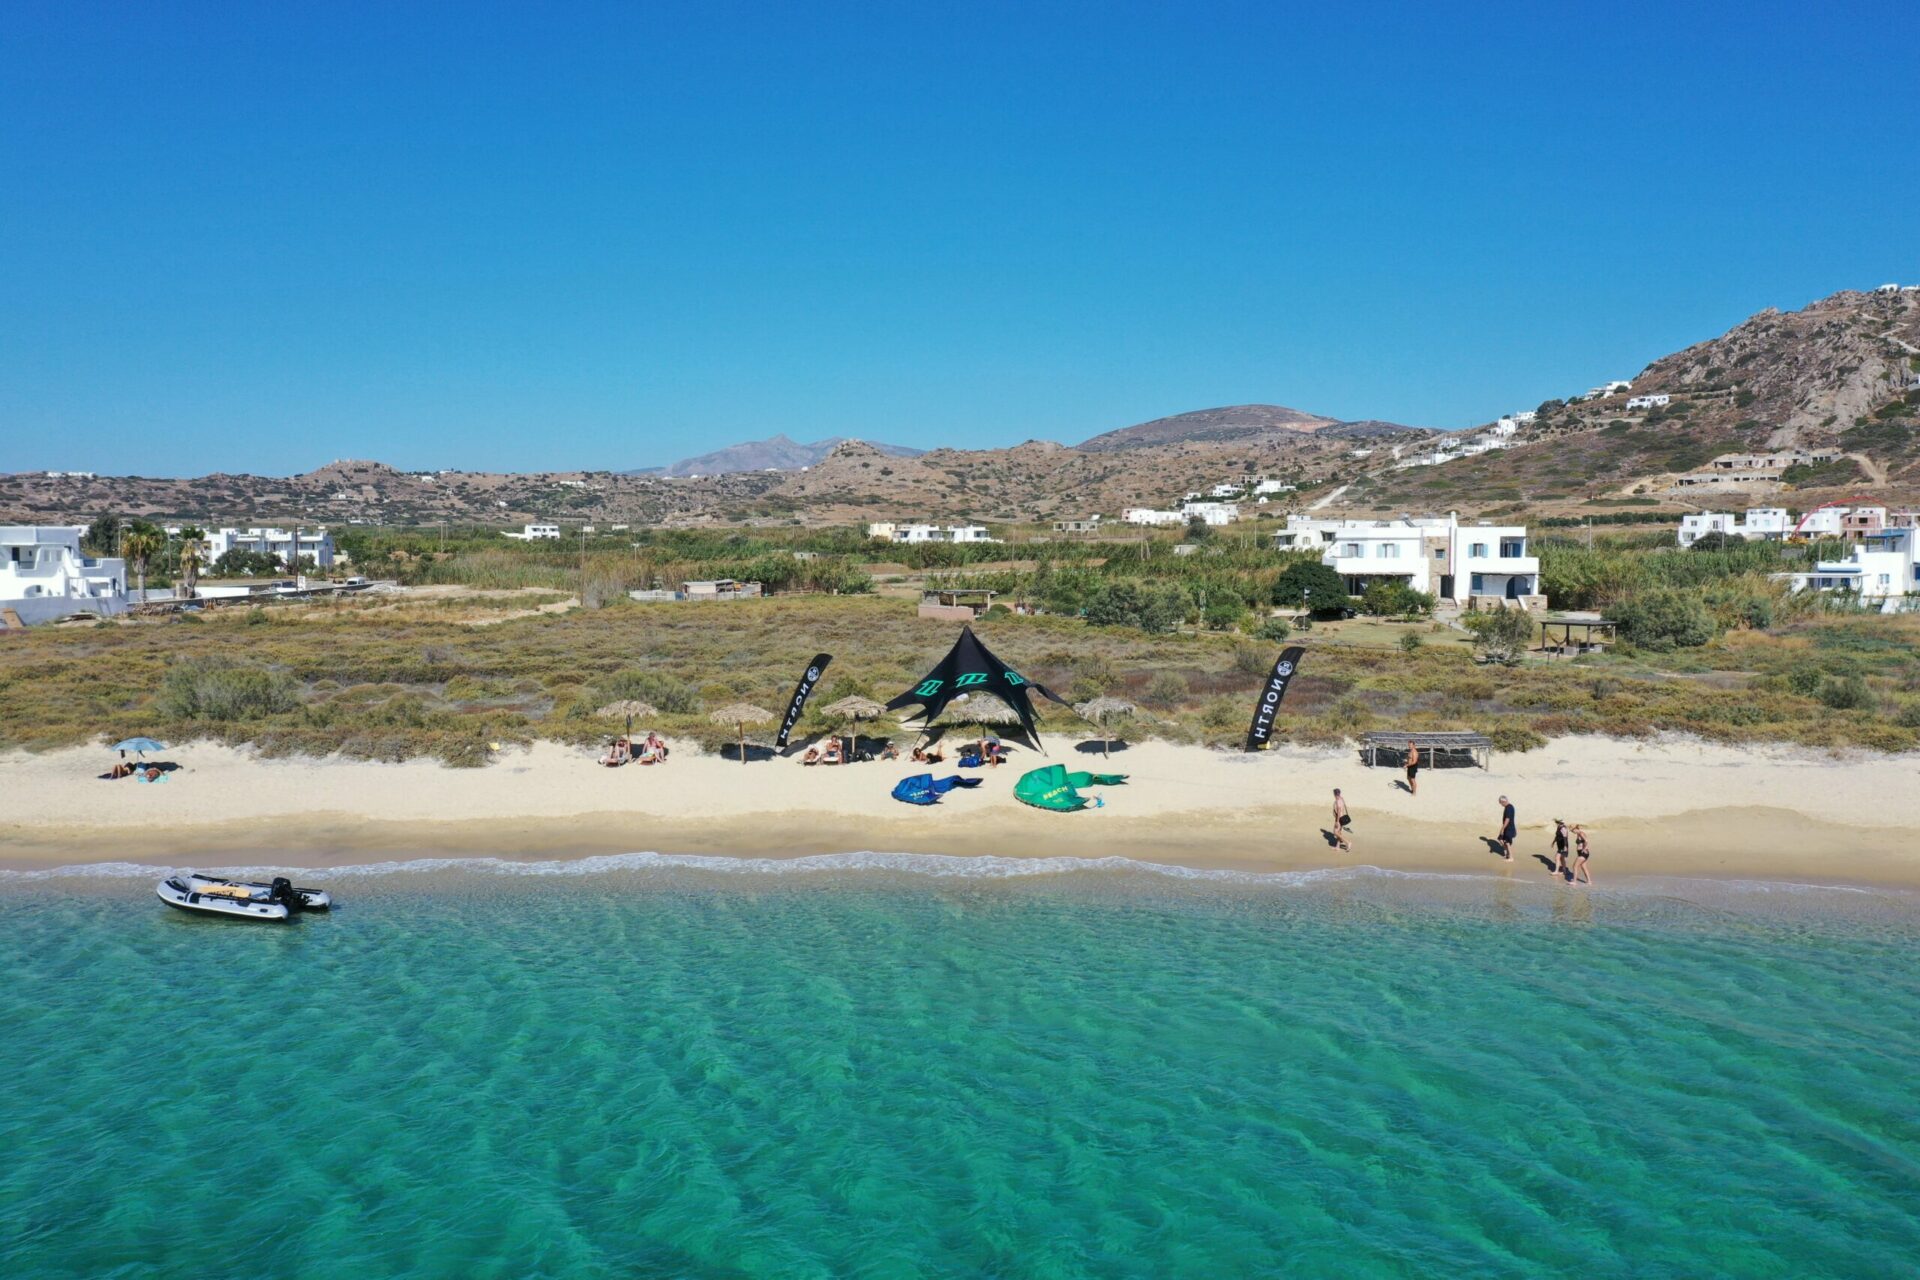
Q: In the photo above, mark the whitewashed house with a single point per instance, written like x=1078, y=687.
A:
x=1467, y=565
x=535, y=532
x=1823, y=522
x=1771, y=524
x=881, y=529
x=315, y=546
x=1214, y=513
x=1659, y=401
x=44, y=574
x=1151, y=516
x=1880, y=572
x=1265, y=487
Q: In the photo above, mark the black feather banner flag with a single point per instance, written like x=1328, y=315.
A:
x=969, y=668
x=801, y=692
x=1278, y=679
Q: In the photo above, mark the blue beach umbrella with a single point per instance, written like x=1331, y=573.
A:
x=141, y=745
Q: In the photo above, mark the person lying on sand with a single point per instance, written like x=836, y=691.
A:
x=929, y=755
x=812, y=757
x=120, y=770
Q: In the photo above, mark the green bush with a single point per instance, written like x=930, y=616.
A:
x=1664, y=620
x=1508, y=736
x=1275, y=629
x=671, y=695
x=1849, y=693
x=214, y=689
x=1500, y=635
x=1390, y=598
x=1149, y=606
x=1804, y=680
x=1167, y=688
x=1310, y=583
x=1411, y=642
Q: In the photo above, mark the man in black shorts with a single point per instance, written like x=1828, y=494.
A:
x=1342, y=821
x=1509, y=828
x=1413, y=769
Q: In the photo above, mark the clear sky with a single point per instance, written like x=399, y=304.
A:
x=260, y=237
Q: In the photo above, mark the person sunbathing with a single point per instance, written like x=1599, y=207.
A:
x=890, y=752
x=121, y=770
x=929, y=755
x=618, y=754
x=656, y=750
x=812, y=756
x=833, y=754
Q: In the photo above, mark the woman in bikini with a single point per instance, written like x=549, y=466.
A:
x=1581, y=852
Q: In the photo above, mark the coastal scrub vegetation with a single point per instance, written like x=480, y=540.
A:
x=373, y=678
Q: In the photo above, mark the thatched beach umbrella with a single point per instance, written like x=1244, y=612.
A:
x=1104, y=712
x=740, y=715
x=984, y=714
x=628, y=707
x=855, y=708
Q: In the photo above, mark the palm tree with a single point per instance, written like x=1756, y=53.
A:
x=140, y=544
x=192, y=552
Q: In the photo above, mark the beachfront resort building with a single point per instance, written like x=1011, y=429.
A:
x=45, y=575
x=1464, y=564
x=1880, y=572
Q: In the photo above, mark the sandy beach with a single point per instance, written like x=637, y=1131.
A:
x=1667, y=807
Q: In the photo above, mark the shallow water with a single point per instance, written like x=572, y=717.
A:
x=904, y=1066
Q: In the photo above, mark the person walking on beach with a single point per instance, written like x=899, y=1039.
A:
x=1561, y=838
x=1581, y=852
x=1342, y=820
x=1509, y=829
x=1413, y=768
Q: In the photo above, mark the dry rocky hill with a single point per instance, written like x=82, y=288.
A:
x=1842, y=373
x=775, y=453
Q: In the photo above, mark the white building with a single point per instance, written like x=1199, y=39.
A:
x=1150, y=516
x=1880, y=572
x=1465, y=564
x=534, y=532
x=44, y=575
x=881, y=529
x=1525, y=417
x=1263, y=487
x=1772, y=524
x=315, y=545
x=1660, y=401
x=931, y=532
x=1214, y=513
x=1226, y=489
x=1823, y=522
x=1887, y=288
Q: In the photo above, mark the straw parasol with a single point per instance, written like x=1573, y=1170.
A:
x=982, y=713
x=1103, y=712
x=855, y=708
x=740, y=715
x=628, y=707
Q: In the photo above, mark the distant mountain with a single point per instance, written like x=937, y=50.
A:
x=1235, y=422
x=775, y=453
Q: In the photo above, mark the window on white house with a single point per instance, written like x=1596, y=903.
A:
x=1478, y=551
x=1513, y=547
x=1479, y=583
x=1387, y=551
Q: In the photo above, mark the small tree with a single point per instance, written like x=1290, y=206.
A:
x=1662, y=620
x=1313, y=586
x=1500, y=635
x=140, y=544
x=192, y=552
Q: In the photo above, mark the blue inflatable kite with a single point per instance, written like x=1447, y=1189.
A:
x=924, y=788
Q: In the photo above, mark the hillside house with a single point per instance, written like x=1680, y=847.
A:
x=1151, y=516
x=45, y=575
x=1077, y=527
x=535, y=533
x=1213, y=513
x=1660, y=401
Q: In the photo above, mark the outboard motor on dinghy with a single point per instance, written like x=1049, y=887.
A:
x=281, y=891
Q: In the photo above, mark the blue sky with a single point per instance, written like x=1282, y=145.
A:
x=524, y=237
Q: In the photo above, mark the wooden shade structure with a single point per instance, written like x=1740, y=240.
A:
x=740, y=715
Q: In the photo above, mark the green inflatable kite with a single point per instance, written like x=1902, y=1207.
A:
x=1052, y=787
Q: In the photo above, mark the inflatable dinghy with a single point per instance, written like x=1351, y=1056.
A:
x=240, y=900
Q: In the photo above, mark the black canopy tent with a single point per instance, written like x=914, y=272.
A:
x=971, y=668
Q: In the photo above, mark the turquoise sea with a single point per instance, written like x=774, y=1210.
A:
x=897, y=1067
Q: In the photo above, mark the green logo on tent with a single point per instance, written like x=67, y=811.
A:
x=1014, y=677
x=928, y=688
x=971, y=677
